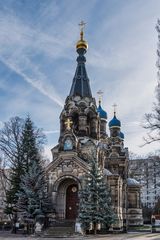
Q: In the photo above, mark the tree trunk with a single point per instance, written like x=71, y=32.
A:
x=95, y=228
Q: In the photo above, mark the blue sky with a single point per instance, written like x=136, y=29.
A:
x=38, y=60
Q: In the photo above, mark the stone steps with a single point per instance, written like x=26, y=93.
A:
x=60, y=229
x=63, y=223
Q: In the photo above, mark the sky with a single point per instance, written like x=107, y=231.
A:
x=38, y=61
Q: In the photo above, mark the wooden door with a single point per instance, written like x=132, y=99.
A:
x=72, y=201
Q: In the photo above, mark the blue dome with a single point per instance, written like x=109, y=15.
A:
x=114, y=122
x=121, y=135
x=101, y=112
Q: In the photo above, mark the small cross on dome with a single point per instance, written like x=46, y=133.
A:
x=100, y=94
x=115, y=108
x=82, y=25
x=68, y=124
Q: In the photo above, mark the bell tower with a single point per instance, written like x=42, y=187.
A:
x=80, y=107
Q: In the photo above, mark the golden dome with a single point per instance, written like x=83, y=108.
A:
x=82, y=43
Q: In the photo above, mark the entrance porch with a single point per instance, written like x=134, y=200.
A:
x=66, y=199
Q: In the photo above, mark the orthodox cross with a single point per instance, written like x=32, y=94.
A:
x=114, y=107
x=68, y=124
x=100, y=94
x=82, y=25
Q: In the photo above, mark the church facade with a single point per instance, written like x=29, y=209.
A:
x=82, y=132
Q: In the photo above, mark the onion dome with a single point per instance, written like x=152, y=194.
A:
x=82, y=43
x=121, y=135
x=101, y=112
x=114, y=122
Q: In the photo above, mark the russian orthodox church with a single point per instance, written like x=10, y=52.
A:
x=82, y=131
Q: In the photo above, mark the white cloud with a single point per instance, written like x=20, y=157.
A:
x=19, y=45
x=125, y=60
x=121, y=59
x=17, y=38
x=38, y=84
x=47, y=153
x=51, y=132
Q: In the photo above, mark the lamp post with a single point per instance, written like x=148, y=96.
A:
x=153, y=227
x=14, y=220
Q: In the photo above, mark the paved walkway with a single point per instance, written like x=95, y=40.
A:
x=129, y=236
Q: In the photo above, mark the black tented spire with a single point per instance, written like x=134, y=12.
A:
x=80, y=85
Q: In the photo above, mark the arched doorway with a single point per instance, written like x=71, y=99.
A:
x=66, y=204
x=72, y=201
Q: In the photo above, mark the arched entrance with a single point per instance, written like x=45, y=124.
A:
x=72, y=201
x=67, y=198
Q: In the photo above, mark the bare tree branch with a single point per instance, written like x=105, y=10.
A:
x=10, y=140
x=152, y=120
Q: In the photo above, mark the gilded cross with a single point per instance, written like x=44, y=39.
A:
x=82, y=25
x=68, y=124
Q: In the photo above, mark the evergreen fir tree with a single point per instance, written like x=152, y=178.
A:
x=11, y=193
x=33, y=199
x=95, y=201
x=30, y=146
